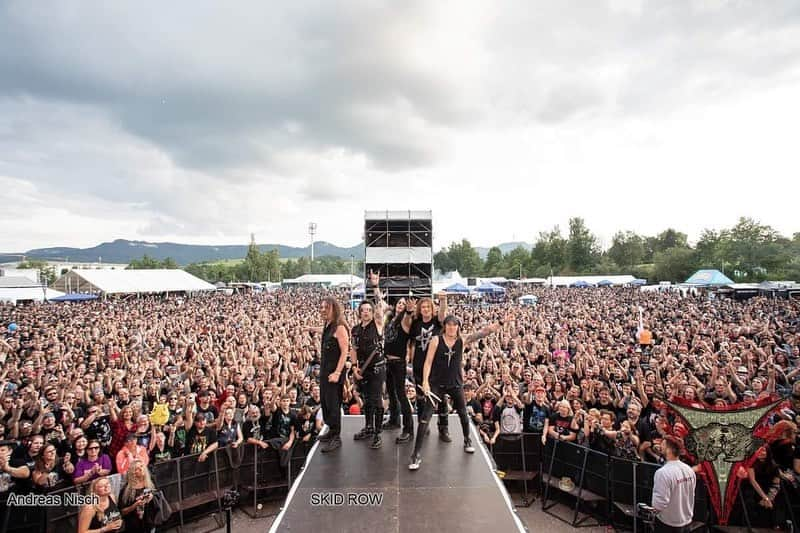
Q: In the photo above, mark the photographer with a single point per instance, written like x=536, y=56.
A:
x=135, y=499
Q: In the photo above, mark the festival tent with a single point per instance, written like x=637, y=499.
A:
x=74, y=297
x=580, y=284
x=709, y=278
x=566, y=281
x=605, y=283
x=27, y=294
x=326, y=280
x=639, y=282
x=528, y=299
x=490, y=288
x=130, y=281
x=457, y=288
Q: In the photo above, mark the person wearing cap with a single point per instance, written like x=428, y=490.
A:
x=536, y=415
x=442, y=374
x=201, y=438
x=132, y=451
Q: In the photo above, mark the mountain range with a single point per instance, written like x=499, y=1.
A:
x=124, y=251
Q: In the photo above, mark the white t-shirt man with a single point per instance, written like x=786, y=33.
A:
x=673, y=493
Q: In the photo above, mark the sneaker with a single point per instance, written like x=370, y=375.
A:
x=333, y=444
x=389, y=426
x=444, y=435
x=468, y=447
x=365, y=433
x=377, y=442
x=404, y=437
x=416, y=460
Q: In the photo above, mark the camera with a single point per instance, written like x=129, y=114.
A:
x=229, y=499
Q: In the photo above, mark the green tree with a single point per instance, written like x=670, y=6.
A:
x=627, y=249
x=549, y=252
x=674, y=264
x=494, y=262
x=582, y=249
x=47, y=273
x=459, y=256
x=145, y=263
x=753, y=250
x=670, y=238
x=516, y=262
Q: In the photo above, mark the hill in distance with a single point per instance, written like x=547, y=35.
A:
x=124, y=251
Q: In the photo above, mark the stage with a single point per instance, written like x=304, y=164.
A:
x=358, y=489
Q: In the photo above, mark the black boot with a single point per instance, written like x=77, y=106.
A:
x=377, y=442
x=404, y=437
x=333, y=444
x=444, y=434
x=368, y=430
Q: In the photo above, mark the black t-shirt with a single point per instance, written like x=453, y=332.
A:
x=395, y=338
x=282, y=423
x=210, y=412
x=196, y=441
x=258, y=429
x=421, y=334
x=561, y=424
x=534, y=416
x=161, y=456
x=367, y=341
x=100, y=429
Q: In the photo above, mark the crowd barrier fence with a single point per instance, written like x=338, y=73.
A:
x=192, y=488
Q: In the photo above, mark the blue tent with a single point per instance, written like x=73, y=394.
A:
x=74, y=297
x=580, y=284
x=490, y=288
x=639, y=282
x=457, y=288
x=605, y=283
x=709, y=277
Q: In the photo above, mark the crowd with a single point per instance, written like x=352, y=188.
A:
x=111, y=386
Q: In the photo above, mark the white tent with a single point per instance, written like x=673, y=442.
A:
x=131, y=281
x=26, y=294
x=328, y=280
x=566, y=281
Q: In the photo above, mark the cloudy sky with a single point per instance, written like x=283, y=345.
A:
x=201, y=121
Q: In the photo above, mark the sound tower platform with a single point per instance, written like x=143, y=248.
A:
x=357, y=489
x=399, y=245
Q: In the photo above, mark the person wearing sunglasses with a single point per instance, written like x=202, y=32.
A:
x=93, y=466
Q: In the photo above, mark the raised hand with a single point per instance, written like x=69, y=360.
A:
x=374, y=278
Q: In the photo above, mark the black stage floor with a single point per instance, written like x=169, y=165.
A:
x=452, y=490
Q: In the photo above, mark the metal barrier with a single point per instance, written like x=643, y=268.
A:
x=193, y=489
x=612, y=485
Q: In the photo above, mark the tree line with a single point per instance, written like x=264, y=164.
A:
x=748, y=251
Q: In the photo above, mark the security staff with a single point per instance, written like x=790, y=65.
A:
x=673, y=491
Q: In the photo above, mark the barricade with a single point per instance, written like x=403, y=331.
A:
x=611, y=486
x=193, y=489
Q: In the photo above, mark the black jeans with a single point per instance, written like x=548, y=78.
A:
x=661, y=527
x=457, y=394
x=398, y=400
x=371, y=387
x=443, y=409
x=331, y=400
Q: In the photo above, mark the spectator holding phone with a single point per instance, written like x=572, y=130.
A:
x=135, y=498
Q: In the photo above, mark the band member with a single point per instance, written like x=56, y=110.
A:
x=443, y=374
x=370, y=364
x=425, y=327
x=334, y=350
x=397, y=327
